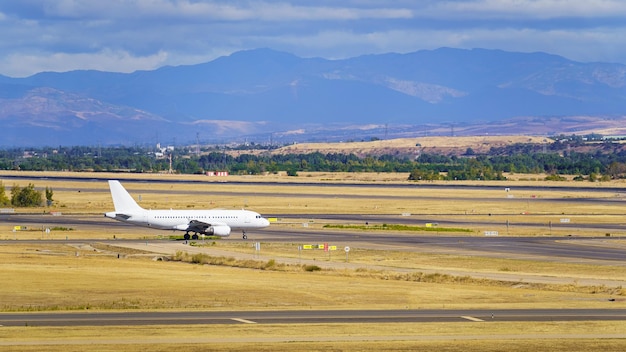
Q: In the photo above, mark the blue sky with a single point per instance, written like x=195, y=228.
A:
x=129, y=35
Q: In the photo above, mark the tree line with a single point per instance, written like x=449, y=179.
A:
x=25, y=196
x=604, y=161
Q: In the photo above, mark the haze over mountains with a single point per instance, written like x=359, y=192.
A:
x=263, y=95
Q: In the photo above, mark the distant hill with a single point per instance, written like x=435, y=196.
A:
x=269, y=95
x=413, y=146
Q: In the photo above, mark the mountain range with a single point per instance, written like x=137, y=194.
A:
x=266, y=95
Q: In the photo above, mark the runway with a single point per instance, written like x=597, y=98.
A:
x=307, y=317
x=553, y=248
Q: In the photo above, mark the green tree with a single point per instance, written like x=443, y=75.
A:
x=25, y=197
x=4, y=200
x=49, y=194
x=616, y=170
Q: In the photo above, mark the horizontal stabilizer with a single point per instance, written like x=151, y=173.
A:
x=117, y=216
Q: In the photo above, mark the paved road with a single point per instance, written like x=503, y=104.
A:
x=305, y=317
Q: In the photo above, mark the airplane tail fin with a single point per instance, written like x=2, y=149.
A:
x=122, y=200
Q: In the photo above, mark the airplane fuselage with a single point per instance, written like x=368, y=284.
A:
x=179, y=219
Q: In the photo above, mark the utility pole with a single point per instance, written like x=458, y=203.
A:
x=198, y=143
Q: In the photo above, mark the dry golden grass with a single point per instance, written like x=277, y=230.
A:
x=467, y=337
x=72, y=197
x=423, y=259
x=84, y=278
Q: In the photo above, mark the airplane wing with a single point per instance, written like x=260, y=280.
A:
x=216, y=228
x=198, y=226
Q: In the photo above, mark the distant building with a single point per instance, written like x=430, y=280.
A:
x=217, y=173
x=614, y=138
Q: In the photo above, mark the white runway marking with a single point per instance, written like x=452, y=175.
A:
x=243, y=320
x=471, y=318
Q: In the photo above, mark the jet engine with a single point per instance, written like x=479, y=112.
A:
x=218, y=230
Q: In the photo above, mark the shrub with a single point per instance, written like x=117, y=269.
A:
x=312, y=268
x=555, y=177
x=200, y=258
x=270, y=264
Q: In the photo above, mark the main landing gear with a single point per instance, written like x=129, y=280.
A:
x=188, y=237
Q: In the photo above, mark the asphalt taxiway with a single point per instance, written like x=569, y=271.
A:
x=307, y=317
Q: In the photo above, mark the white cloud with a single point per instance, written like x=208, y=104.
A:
x=538, y=9
x=127, y=35
x=215, y=10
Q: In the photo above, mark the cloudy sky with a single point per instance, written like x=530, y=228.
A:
x=129, y=35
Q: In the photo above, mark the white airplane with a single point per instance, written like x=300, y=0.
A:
x=207, y=222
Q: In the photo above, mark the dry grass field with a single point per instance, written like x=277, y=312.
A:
x=434, y=144
x=90, y=276
x=470, y=337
